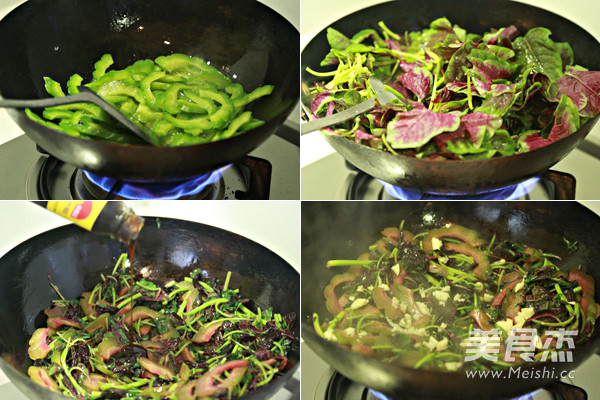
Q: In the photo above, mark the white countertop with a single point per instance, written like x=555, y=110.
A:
x=274, y=224
x=317, y=15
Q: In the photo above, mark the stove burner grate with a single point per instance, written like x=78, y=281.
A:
x=341, y=388
x=553, y=185
x=247, y=179
x=205, y=186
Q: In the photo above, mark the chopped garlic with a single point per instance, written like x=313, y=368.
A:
x=443, y=326
x=396, y=269
x=436, y=243
x=436, y=345
x=351, y=298
x=519, y=286
x=487, y=297
x=384, y=287
x=506, y=325
x=453, y=365
x=443, y=259
x=360, y=288
x=458, y=298
x=358, y=303
x=350, y=331
x=329, y=335
x=423, y=308
x=395, y=302
x=441, y=296
x=523, y=316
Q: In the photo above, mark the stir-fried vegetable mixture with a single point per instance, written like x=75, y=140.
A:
x=193, y=339
x=416, y=298
x=460, y=95
x=178, y=99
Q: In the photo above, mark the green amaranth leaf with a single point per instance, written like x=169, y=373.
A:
x=414, y=128
x=337, y=40
x=538, y=51
x=497, y=102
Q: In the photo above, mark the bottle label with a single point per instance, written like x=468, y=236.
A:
x=82, y=213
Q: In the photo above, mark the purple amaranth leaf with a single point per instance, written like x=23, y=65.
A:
x=408, y=67
x=498, y=103
x=503, y=36
x=482, y=83
x=566, y=121
x=414, y=128
x=529, y=141
x=441, y=140
x=397, y=86
x=362, y=135
x=330, y=109
x=478, y=123
x=320, y=100
x=583, y=88
x=454, y=71
x=490, y=65
x=393, y=45
x=456, y=86
x=417, y=81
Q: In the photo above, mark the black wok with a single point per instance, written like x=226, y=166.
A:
x=74, y=260
x=341, y=230
x=457, y=176
x=245, y=39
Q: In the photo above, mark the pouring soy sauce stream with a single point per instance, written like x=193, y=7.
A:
x=111, y=218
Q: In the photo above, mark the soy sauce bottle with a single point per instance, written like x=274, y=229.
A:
x=111, y=218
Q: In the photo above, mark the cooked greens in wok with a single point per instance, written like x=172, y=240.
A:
x=193, y=339
x=434, y=299
x=460, y=95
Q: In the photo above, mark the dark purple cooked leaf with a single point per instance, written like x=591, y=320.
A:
x=414, y=128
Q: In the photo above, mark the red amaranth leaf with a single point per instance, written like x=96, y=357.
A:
x=414, y=128
x=583, y=87
x=478, y=123
x=417, y=81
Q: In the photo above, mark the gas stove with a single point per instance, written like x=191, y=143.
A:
x=320, y=382
x=269, y=172
x=326, y=176
x=275, y=227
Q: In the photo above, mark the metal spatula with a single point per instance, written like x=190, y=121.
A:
x=85, y=95
x=383, y=96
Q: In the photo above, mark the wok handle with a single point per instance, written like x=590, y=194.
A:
x=259, y=177
x=564, y=391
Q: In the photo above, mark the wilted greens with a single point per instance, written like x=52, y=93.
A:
x=439, y=299
x=460, y=95
x=178, y=99
x=187, y=340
